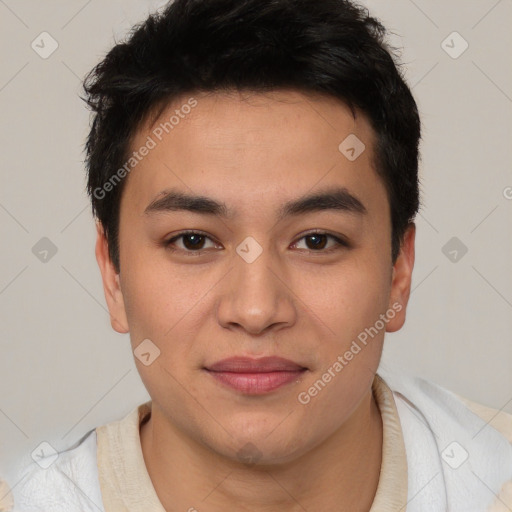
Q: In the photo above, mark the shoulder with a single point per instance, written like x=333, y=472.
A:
x=502, y=422
x=66, y=481
x=496, y=418
x=442, y=405
x=458, y=430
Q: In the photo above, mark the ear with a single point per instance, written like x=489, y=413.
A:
x=401, y=280
x=111, y=285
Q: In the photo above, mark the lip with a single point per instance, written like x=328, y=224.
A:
x=254, y=365
x=255, y=376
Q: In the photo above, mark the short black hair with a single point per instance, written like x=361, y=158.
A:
x=332, y=47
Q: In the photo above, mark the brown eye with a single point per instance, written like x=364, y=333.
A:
x=190, y=241
x=317, y=242
x=193, y=241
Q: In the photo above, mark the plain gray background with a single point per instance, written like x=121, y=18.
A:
x=63, y=370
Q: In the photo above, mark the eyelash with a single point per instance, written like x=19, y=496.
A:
x=340, y=243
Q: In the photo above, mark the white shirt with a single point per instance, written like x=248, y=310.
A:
x=440, y=453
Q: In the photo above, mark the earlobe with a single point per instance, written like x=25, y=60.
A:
x=111, y=283
x=401, y=281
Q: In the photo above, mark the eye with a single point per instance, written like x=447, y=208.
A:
x=316, y=242
x=194, y=243
x=191, y=242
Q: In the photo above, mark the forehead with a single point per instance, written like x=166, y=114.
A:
x=254, y=148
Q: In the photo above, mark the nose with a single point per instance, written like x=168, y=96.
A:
x=256, y=296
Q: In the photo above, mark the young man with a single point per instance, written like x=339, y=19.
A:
x=252, y=167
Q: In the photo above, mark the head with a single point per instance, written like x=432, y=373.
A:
x=255, y=124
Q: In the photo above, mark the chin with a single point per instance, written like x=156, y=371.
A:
x=264, y=449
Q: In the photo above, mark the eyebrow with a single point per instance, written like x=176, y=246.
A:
x=339, y=199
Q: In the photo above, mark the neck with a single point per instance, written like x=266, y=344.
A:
x=339, y=475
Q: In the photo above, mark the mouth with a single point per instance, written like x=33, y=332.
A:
x=255, y=376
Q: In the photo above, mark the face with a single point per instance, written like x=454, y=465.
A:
x=265, y=272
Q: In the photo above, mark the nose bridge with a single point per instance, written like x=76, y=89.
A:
x=255, y=297
x=256, y=280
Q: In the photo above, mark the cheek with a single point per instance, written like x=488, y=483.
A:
x=147, y=291
x=347, y=297
x=165, y=304
x=143, y=303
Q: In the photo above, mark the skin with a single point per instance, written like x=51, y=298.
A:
x=255, y=152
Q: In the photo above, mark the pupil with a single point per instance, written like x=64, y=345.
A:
x=316, y=245
x=197, y=239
